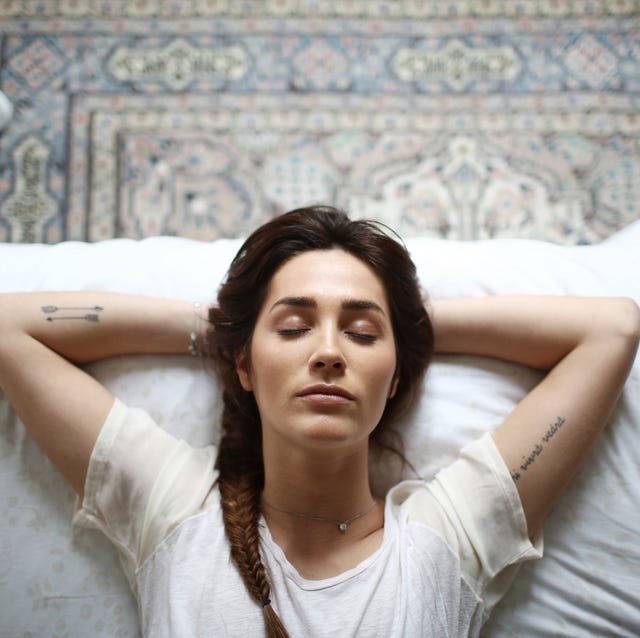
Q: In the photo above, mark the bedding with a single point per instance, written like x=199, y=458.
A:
x=59, y=581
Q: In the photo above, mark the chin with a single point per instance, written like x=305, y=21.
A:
x=332, y=432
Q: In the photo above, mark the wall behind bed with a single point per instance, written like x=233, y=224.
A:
x=196, y=118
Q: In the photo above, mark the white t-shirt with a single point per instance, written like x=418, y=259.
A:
x=448, y=554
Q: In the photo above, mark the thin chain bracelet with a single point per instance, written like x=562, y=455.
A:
x=194, y=345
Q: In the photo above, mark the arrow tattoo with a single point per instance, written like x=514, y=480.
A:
x=50, y=309
x=87, y=317
x=90, y=316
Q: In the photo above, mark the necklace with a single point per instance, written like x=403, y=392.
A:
x=342, y=525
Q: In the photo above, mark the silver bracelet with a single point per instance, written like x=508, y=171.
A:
x=194, y=345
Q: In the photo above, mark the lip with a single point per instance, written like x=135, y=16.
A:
x=326, y=393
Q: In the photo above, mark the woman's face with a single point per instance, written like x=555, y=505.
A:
x=323, y=357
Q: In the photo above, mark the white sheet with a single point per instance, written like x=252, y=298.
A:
x=64, y=582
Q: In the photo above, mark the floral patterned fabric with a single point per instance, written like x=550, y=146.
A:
x=459, y=119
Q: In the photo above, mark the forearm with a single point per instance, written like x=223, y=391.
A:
x=537, y=331
x=86, y=326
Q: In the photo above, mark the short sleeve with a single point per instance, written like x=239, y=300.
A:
x=474, y=505
x=141, y=483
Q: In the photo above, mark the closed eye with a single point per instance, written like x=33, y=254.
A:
x=292, y=332
x=361, y=336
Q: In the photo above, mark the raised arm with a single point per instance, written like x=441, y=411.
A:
x=44, y=337
x=587, y=345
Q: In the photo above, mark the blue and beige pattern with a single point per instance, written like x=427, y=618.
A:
x=460, y=119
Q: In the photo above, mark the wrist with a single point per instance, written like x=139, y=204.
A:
x=198, y=343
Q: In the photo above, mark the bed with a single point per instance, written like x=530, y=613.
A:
x=60, y=581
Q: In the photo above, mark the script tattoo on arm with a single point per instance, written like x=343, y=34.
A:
x=538, y=448
x=91, y=316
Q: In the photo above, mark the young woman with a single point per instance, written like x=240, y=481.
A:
x=321, y=337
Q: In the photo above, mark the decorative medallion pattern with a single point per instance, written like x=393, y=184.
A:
x=29, y=205
x=177, y=65
x=457, y=64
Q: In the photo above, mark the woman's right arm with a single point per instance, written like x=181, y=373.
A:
x=45, y=337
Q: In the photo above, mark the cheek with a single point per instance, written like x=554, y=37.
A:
x=270, y=367
x=382, y=377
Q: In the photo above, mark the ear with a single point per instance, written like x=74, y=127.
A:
x=242, y=370
x=394, y=385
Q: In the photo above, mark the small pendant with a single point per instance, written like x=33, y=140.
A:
x=343, y=526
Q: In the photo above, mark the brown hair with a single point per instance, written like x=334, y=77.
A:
x=240, y=298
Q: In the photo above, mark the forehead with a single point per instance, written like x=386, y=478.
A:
x=327, y=274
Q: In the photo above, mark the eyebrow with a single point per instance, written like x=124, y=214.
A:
x=347, y=304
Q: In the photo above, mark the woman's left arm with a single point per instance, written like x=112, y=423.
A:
x=586, y=344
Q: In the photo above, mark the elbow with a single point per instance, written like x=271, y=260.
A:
x=631, y=318
x=628, y=321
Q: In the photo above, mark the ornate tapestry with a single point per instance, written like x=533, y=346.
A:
x=466, y=119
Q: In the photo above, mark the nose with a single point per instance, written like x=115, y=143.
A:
x=328, y=354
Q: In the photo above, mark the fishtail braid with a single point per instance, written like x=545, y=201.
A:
x=240, y=500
